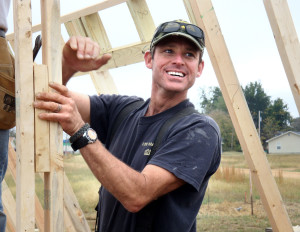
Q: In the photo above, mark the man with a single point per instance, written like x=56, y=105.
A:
x=174, y=180
x=6, y=94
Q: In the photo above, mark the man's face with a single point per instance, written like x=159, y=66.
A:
x=175, y=65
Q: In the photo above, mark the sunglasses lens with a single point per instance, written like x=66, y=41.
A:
x=171, y=27
x=194, y=31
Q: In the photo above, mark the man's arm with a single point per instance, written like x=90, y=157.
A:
x=133, y=189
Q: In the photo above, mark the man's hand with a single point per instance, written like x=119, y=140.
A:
x=59, y=107
x=81, y=54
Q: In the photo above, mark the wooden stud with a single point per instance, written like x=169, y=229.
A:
x=102, y=80
x=24, y=116
x=72, y=207
x=77, y=14
x=39, y=211
x=235, y=101
x=141, y=16
x=287, y=42
x=126, y=55
x=94, y=29
x=86, y=26
x=42, y=149
x=53, y=180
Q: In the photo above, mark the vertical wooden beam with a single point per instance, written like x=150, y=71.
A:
x=142, y=18
x=39, y=217
x=205, y=17
x=53, y=180
x=287, y=42
x=41, y=127
x=24, y=116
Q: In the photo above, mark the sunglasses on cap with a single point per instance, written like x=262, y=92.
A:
x=179, y=26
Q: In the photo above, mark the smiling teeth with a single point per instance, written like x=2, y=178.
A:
x=176, y=74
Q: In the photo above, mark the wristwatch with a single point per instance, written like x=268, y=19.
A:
x=88, y=136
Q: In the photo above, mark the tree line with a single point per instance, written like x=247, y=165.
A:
x=275, y=117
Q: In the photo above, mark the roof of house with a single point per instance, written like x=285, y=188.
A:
x=283, y=134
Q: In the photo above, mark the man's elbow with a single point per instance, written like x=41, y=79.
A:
x=135, y=206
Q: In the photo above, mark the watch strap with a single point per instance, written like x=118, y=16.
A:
x=79, y=133
x=89, y=136
x=79, y=143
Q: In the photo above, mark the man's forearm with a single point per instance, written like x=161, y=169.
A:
x=126, y=184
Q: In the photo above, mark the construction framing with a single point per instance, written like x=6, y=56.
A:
x=61, y=210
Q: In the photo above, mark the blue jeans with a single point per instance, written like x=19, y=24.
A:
x=4, y=137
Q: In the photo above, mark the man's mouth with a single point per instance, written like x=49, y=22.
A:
x=177, y=74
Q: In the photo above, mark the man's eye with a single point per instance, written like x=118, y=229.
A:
x=168, y=51
x=190, y=54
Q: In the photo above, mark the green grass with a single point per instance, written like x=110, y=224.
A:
x=228, y=190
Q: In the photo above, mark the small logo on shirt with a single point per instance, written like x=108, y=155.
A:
x=147, y=152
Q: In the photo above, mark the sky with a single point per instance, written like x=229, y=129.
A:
x=245, y=27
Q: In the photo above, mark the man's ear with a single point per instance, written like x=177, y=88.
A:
x=200, y=68
x=148, y=59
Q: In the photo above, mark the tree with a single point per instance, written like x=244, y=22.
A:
x=257, y=100
x=295, y=124
x=229, y=138
x=278, y=111
x=214, y=102
x=275, y=114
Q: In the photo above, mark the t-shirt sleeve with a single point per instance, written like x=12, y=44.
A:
x=104, y=110
x=191, y=151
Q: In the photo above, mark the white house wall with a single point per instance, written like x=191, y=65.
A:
x=286, y=144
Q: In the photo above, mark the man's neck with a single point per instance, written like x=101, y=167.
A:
x=159, y=104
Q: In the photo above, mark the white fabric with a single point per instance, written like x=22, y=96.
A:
x=4, y=8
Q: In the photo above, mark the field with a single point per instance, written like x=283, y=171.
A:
x=227, y=203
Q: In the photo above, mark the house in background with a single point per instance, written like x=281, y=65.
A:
x=286, y=143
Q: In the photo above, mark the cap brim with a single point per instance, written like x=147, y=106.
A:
x=189, y=37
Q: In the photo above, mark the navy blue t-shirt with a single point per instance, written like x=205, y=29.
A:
x=191, y=150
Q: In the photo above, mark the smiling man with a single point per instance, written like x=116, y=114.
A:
x=160, y=192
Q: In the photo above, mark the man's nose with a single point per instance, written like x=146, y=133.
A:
x=178, y=59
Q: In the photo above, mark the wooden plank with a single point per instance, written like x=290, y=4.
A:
x=53, y=180
x=287, y=43
x=103, y=82
x=24, y=116
x=39, y=211
x=142, y=18
x=42, y=149
x=235, y=101
x=94, y=28
x=9, y=205
x=73, y=209
x=126, y=55
x=75, y=27
x=80, y=13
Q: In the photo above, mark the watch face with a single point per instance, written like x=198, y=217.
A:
x=92, y=134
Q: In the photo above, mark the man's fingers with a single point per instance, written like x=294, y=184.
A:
x=72, y=42
x=49, y=106
x=103, y=60
x=63, y=90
